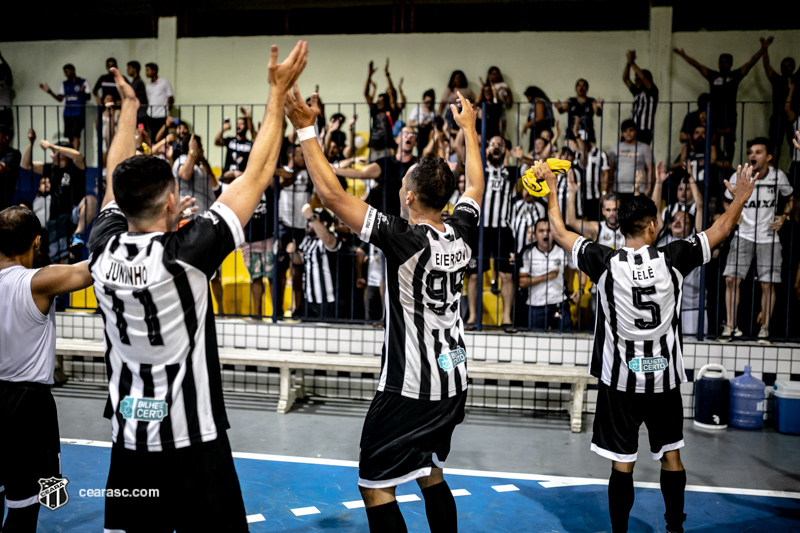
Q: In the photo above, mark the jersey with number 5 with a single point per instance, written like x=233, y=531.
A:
x=637, y=343
x=424, y=353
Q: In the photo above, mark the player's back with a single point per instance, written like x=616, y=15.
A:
x=424, y=353
x=162, y=362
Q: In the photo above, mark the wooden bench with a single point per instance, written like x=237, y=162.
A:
x=291, y=390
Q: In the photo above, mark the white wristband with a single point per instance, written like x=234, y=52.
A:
x=306, y=133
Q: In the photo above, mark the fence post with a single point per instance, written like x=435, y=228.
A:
x=701, y=308
x=479, y=303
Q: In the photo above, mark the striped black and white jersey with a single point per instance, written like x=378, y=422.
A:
x=691, y=283
x=613, y=238
x=500, y=182
x=669, y=212
x=525, y=214
x=424, y=354
x=164, y=385
x=592, y=170
x=318, y=274
x=644, y=107
x=637, y=343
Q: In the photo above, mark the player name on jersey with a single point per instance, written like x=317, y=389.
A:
x=128, y=275
x=450, y=259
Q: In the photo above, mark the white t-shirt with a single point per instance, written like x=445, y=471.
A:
x=420, y=114
x=537, y=263
x=158, y=94
x=377, y=266
x=291, y=201
x=199, y=186
x=761, y=208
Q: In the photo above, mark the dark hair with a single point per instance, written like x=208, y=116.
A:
x=726, y=56
x=19, y=227
x=761, y=140
x=7, y=130
x=385, y=96
x=136, y=65
x=337, y=116
x=152, y=66
x=453, y=77
x=139, y=186
x=584, y=81
x=185, y=143
x=635, y=214
x=438, y=122
x=535, y=92
x=431, y=93
x=611, y=197
x=543, y=219
x=648, y=75
x=69, y=66
x=627, y=123
x=490, y=71
x=432, y=181
x=790, y=60
x=702, y=101
x=110, y=59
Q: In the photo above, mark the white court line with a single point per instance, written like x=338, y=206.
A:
x=546, y=480
x=355, y=504
x=407, y=498
x=505, y=488
x=304, y=511
x=461, y=492
x=253, y=518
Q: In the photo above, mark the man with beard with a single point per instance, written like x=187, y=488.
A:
x=238, y=147
x=693, y=153
x=605, y=232
x=388, y=172
x=498, y=239
x=757, y=235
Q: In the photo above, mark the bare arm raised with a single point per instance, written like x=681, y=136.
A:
x=741, y=191
x=474, y=167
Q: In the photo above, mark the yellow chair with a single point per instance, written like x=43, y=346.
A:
x=82, y=299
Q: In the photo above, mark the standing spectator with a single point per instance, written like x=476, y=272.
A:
x=723, y=87
x=9, y=167
x=458, y=83
x=257, y=249
x=645, y=98
x=540, y=114
x=757, y=235
x=238, y=147
x=543, y=272
x=686, y=199
x=422, y=117
x=780, y=123
x=317, y=252
x=693, y=154
x=194, y=174
x=159, y=99
x=494, y=78
x=376, y=275
x=794, y=117
x=105, y=84
x=6, y=82
x=607, y=231
x=134, y=67
x=381, y=141
x=75, y=91
x=695, y=118
x=527, y=211
x=388, y=172
x=584, y=108
x=43, y=202
x=592, y=164
x=625, y=159
x=494, y=112
x=498, y=239
x=335, y=135
x=348, y=269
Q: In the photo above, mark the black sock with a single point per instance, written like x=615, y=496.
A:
x=22, y=519
x=440, y=507
x=386, y=518
x=620, y=499
x=673, y=485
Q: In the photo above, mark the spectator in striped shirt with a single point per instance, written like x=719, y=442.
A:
x=645, y=98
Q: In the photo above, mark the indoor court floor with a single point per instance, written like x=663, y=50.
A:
x=509, y=471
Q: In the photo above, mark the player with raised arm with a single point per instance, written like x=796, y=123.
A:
x=423, y=381
x=152, y=284
x=637, y=352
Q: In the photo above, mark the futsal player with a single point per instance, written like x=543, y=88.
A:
x=152, y=285
x=423, y=381
x=637, y=345
x=29, y=443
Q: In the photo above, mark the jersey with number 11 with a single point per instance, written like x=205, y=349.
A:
x=424, y=353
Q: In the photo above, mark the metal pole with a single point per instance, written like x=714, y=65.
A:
x=479, y=304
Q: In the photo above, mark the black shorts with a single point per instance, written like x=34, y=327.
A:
x=619, y=415
x=198, y=489
x=498, y=243
x=30, y=448
x=73, y=126
x=404, y=438
x=285, y=236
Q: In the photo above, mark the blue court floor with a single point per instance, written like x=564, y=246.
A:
x=296, y=494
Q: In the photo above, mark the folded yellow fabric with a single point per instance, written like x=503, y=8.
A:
x=539, y=187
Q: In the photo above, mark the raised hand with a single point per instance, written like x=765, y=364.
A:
x=517, y=152
x=679, y=51
x=193, y=146
x=372, y=69
x=661, y=172
x=300, y=114
x=796, y=139
x=226, y=126
x=45, y=145
x=542, y=172
x=386, y=68
x=352, y=122
x=283, y=75
x=307, y=211
x=745, y=183
x=44, y=87
x=400, y=85
x=572, y=184
x=186, y=209
x=244, y=111
x=766, y=42
x=466, y=117
x=126, y=92
x=31, y=135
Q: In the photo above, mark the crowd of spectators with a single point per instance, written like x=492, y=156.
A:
x=333, y=275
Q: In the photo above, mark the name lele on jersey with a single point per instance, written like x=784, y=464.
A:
x=642, y=274
x=127, y=275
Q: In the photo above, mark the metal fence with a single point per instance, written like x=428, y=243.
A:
x=265, y=272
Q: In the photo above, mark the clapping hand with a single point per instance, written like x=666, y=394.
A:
x=300, y=114
x=283, y=75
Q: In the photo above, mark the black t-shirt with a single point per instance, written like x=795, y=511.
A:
x=585, y=112
x=106, y=85
x=389, y=185
x=8, y=179
x=494, y=113
x=380, y=132
x=723, y=89
x=691, y=121
x=141, y=94
x=262, y=223
x=69, y=183
x=238, y=152
x=780, y=91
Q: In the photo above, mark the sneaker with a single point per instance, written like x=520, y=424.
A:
x=726, y=334
x=763, y=336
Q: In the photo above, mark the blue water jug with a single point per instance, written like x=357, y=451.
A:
x=747, y=402
x=711, y=397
